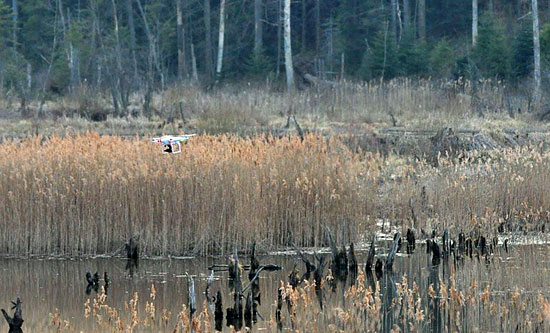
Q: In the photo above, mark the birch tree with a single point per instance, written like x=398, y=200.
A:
x=536, y=48
x=288, y=48
x=220, y=40
x=180, y=40
x=474, y=21
x=207, y=39
x=394, y=20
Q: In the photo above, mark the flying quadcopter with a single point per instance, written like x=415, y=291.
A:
x=171, y=144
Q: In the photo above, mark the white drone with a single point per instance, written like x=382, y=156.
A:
x=171, y=144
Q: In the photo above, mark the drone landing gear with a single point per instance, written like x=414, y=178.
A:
x=173, y=148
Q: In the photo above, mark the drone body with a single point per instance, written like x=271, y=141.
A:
x=171, y=143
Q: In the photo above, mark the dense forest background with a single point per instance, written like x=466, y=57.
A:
x=56, y=47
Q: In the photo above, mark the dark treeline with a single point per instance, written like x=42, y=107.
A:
x=122, y=46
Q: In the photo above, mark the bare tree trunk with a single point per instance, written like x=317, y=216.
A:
x=181, y=40
x=304, y=27
x=50, y=64
x=258, y=27
x=1, y=79
x=279, y=36
x=15, y=18
x=536, y=48
x=474, y=22
x=220, y=41
x=74, y=62
x=131, y=27
x=120, y=83
x=29, y=79
x=194, y=63
x=406, y=17
x=208, y=40
x=394, y=20
x=152, y=44
x=318, y=26
x=422, y=20
x=289, y=68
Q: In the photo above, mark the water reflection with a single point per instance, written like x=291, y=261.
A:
x=46, y=285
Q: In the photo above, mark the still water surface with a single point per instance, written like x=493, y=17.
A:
x=47, y=285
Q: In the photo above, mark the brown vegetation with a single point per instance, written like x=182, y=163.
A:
x=88, y=194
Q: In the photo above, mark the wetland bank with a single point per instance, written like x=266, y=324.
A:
x=71, y=204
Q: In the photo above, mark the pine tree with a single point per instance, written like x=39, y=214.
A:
x=383, y=61
x=491, y=53
x=522, y=57
x=412, y=56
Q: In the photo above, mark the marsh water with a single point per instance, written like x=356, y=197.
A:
x=50, y=284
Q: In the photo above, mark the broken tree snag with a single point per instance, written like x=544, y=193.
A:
x=254, y=263
x=248, y=311
x=293, y=278
x=445, y=243
x=235, y=315
x=132, y=249
x=461, y=242
x=411, y=241
x=391, y=256
x=93, y=282
x=279, y=308
x=218, y=312
x=370, y=257
x=352, y=262
x=339, y=265
x=318, y=272
x=208, y=286
x=16, y=321
x=298, y=128
x=310, y=268
x=378, y=267
x=436, y=254
x=428, y=246
x=192, y=299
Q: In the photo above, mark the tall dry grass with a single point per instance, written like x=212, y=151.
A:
x=412, y=104
x=87, y=194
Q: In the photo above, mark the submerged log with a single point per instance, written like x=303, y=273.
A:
x=16, y=321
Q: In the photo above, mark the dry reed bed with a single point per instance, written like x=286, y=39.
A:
x=87, y=194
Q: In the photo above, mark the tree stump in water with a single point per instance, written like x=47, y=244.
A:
x=391, y=256
x=16, y=321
